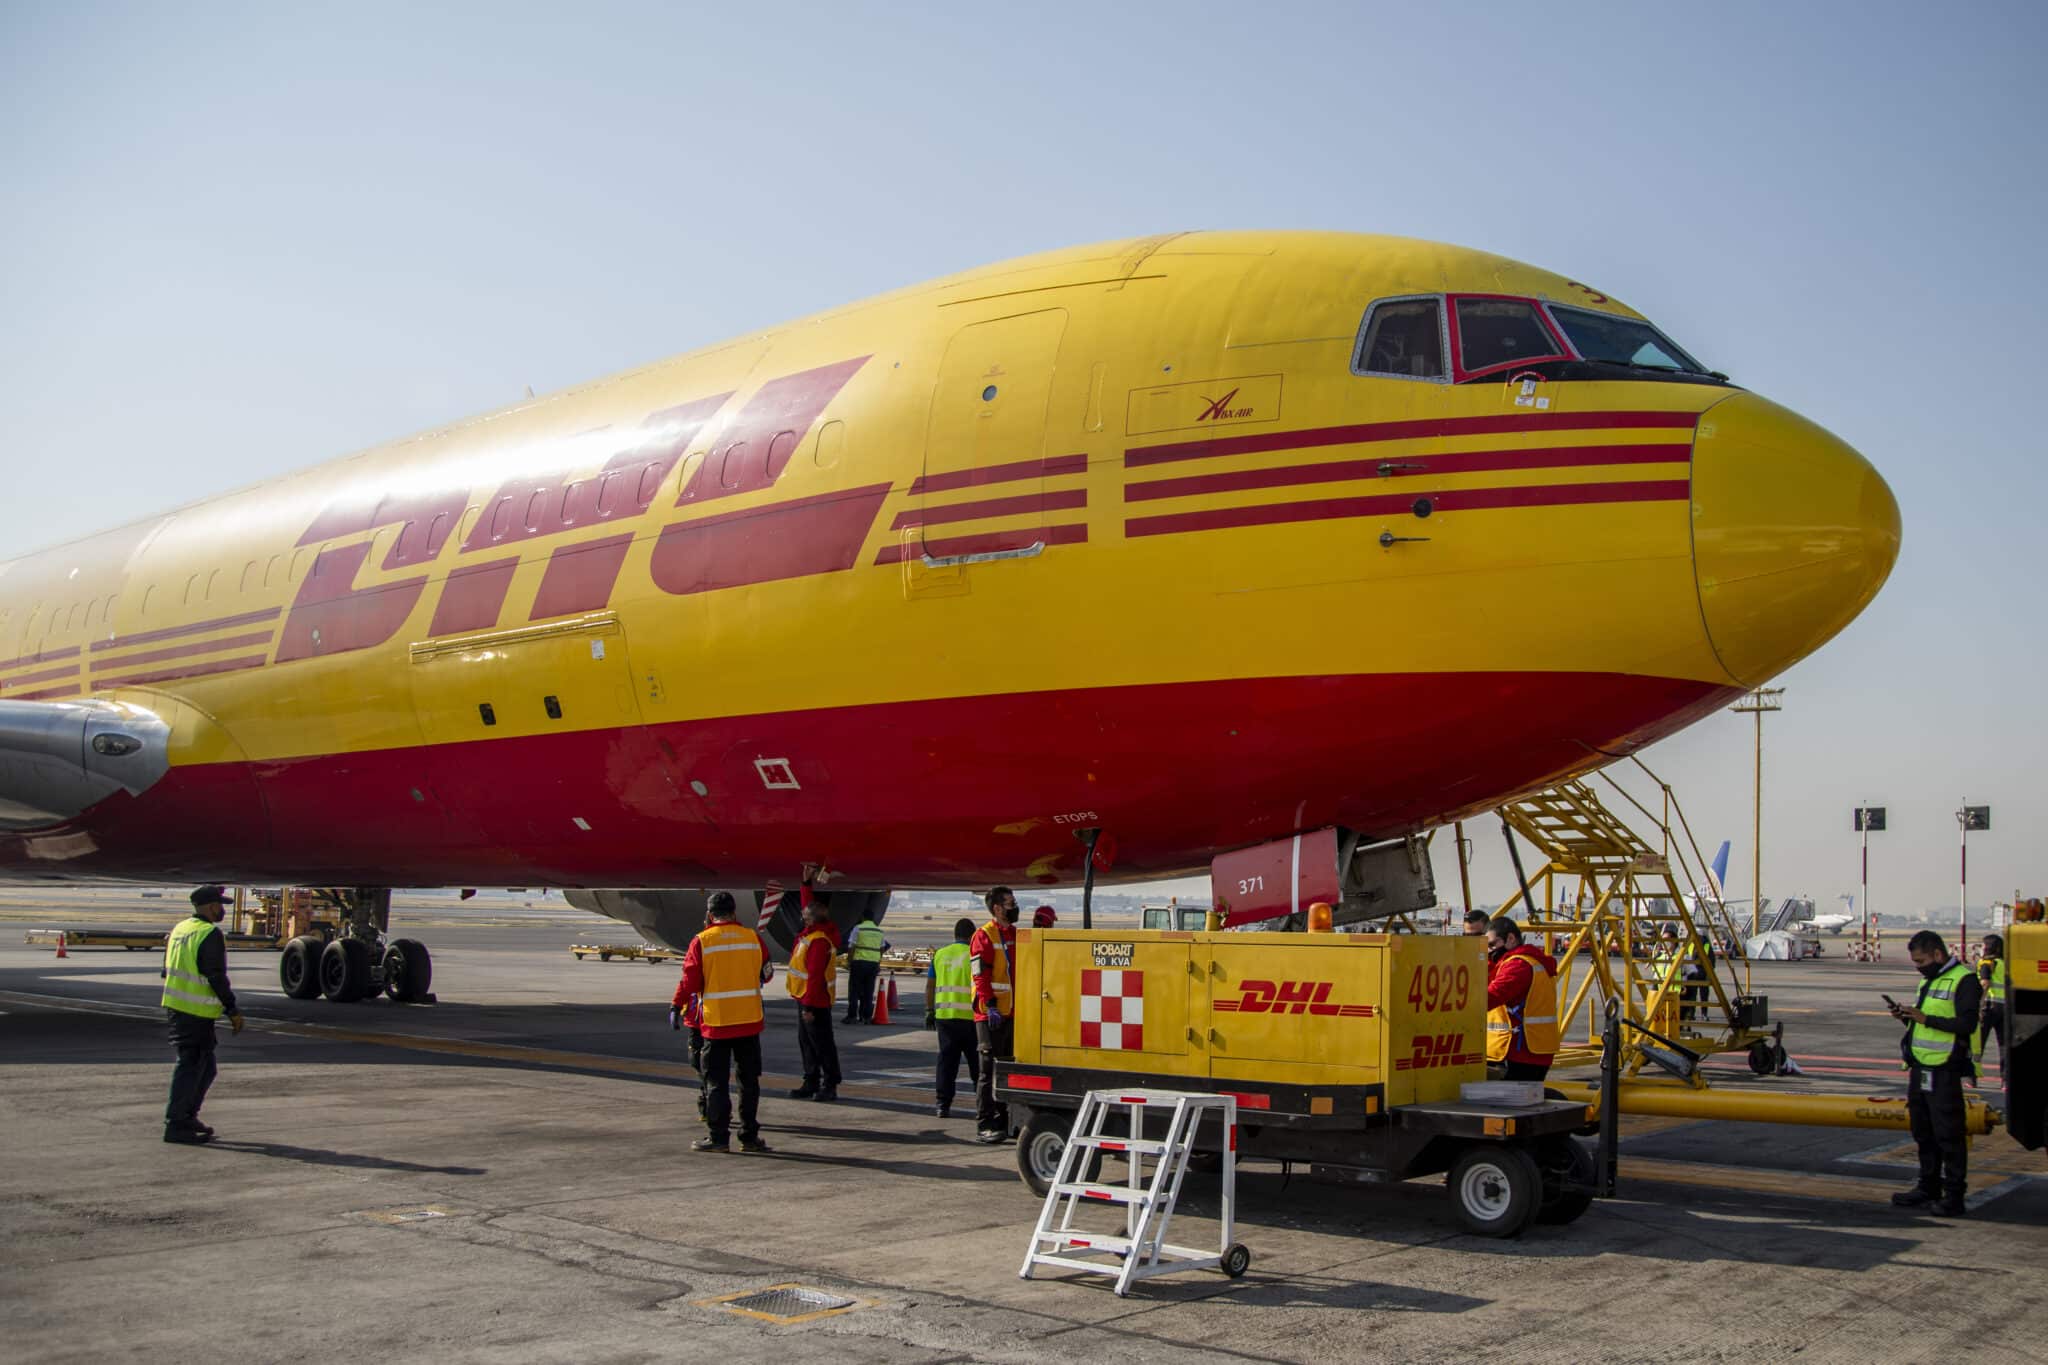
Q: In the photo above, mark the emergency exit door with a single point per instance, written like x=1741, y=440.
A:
x=983, y=491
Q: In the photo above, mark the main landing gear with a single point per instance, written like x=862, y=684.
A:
x=358, y=962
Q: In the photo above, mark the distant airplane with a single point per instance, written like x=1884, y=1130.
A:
x=1836, y=923
x=1147, y=553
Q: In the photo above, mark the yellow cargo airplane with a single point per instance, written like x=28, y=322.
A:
x=1294, y=543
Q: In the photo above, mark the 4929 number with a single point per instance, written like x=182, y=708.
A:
x=1434, y=989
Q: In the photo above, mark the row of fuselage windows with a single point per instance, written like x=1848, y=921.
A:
x=1412, y=338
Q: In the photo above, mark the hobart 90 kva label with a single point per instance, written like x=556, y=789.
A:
x=1113, y=1000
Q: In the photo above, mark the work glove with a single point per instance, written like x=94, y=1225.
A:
x=931, y=1021
x=675, y=1018
x=235, y=1023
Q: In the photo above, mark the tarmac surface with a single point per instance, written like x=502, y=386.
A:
x=505, y=1175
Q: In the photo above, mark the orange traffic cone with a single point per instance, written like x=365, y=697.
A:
x=881, y=1005
x=892, y=993
x=60, y=944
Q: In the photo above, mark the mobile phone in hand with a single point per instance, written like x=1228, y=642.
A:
x=1888, y=1000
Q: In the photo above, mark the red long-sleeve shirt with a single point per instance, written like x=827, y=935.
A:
x=818, y=964
x=693, y=984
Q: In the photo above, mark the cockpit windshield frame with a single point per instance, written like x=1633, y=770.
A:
x=1564, y=351
x=1443, y=340
x=1459, y=374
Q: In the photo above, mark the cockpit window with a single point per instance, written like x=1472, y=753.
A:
x=1607, y=339
x=1496, y=332
x=1403, y=337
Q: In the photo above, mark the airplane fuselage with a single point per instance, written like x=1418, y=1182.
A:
x=1149, y=537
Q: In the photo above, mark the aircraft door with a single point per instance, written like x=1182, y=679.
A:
x=983, y=489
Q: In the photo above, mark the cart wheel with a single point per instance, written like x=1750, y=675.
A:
x=1237, y=1260
x=579, y=957
x=1761, y=1062
x=1039, y=1145
x=1495, y=1189
x=1562, y=1158
x=604, y=957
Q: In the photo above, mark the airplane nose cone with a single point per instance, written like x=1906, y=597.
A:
x=1793, y=534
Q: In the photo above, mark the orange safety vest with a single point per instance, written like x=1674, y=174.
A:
x=999, y=970
x=731, y=954
x=799, y=981
x=1530, y=1027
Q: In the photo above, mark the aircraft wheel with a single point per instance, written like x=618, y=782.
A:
x=408, y=970
x=298, y=971
x=1495, y=1189
x=345, y=970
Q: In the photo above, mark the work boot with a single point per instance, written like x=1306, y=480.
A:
x=988, y=1137
x=754, y=1144
x=806, y=1091
x=1915, y=1198
x=190, y=1137
x=204, y=1130
x=1952, y=1206
x=944, y=1111
x=829, y=1095
x=708, y=1143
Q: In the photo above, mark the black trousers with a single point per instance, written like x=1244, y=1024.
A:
x=720, y=1056
x=957, y=1039
x=1936, y=1115
x=993, y=1037
x=1994, y=1023
x=193, y=1037
x=860, y=991
x=694, y=1042
x=820, y=1050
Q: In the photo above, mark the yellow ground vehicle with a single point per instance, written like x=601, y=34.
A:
x=1345, y=1051
x=2026, y=1032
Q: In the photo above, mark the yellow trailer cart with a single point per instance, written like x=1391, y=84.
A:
x=1348, y=1052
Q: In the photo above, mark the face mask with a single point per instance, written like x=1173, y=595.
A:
x=1010, y=914
x=1932, y=970
x=1494, y=951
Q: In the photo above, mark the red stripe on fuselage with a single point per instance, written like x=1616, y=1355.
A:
x=24, y=679
x=1385, y=504
x=49, y=656
x=793, y=539
x=1022, y=505
x=151, y=656
x=1415, y=466
x=181, y=671
x=999, y=473
x=1208, y=448
x=173, y=632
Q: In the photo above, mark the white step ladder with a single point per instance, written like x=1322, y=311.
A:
x=1142, y=1251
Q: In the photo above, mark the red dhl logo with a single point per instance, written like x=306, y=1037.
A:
x=1290, y=997
x=1438, y=1049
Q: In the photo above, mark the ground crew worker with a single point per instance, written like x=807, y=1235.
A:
x=814, y=982
x=864, y=964
x=1521, y=1005
x=1672, y=946
x=726, y=966
x=994, y=950
x=1044, y=917
x=949, y=1008
x=1991, y=971
x=1476, y=922
x=196, y=992
x=1938, y=1048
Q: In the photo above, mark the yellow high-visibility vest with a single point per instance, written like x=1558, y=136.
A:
x=799, y=980
x=953, y=982
x=185, y=990
x=731, y=954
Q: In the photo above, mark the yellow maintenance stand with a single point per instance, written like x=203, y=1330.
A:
x=1345, y=1051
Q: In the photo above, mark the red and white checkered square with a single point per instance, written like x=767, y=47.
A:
x=1113, y=1009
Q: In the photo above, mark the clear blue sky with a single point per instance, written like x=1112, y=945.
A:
x=235, y=241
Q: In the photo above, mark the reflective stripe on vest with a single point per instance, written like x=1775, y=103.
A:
x=867, y=942
x=953, y=982
x=799, y=980
x=999, y=968
x=1994, y=990
x=1529, y=1027
x=1932, y=1047
x=185, y=990
x=731, y=955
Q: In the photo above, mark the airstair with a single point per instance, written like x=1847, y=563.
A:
x=1147, y=1196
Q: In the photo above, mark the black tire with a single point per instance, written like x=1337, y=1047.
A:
x=1237, y=1260
x=345, y=970
x=1562, y=1159
x=1039, y=1144
x=1205, y=1163
x=1761, y=1060
x=298, y=971
x=1495, y=1189
x=607, y=957
x=408, y=970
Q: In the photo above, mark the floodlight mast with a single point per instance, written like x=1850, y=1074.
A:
x=1759, y=701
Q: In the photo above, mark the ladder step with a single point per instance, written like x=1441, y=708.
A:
x=1143, y=1146
x=1073, y=1240
x=1108, y=1194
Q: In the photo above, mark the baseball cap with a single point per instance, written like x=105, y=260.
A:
x=210, y=895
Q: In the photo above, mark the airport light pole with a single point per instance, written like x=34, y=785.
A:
x=1759, y=701
x=1968, y=817
x=1868, y=818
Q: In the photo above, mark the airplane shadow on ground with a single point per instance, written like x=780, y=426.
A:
x=321, y=1156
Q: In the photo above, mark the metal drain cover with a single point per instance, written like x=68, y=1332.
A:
x=786, y=1303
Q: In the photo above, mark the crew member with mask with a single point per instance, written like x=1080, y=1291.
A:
x=1939, y=1049
x=994, y=950
x=1521, y=1005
